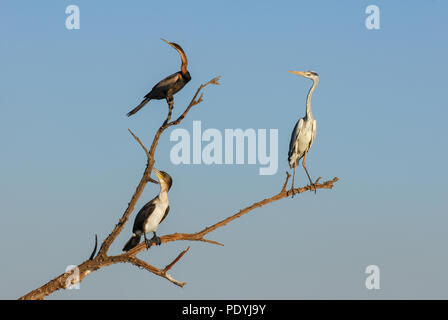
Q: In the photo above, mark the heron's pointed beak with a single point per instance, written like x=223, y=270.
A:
x=300, y=73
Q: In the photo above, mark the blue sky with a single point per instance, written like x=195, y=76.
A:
x=69, y=166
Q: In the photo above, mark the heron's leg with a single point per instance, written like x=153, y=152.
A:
x=156, y=239
x=293, y=175
x=304, y=167
x=148, y=242
x=170, y=101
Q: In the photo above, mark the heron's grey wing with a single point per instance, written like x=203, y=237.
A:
x=142, y=215
x=313, y=133
x=294, y=136
x=164, y=85
x=166, y=213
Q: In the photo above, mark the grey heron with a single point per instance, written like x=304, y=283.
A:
x=304, y=132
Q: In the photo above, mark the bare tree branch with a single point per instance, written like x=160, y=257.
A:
x=168, y=267
x=199, y=236
x=130, y=256
x=286, y=181
x=147, y=153
x=162, y=273
x=141, y=144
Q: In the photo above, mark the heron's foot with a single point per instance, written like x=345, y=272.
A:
x=313, y=185
x=292, y=191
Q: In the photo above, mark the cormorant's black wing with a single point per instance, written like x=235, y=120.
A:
x=166, y=213
x=163, y=86
x=142, y=215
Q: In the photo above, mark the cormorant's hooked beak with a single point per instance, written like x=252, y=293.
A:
x=158, y=174
x=182, y=54
x=300, y=73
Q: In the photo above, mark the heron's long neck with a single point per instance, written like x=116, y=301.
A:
x=309, y=114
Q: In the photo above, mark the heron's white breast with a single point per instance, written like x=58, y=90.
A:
x=305, y=136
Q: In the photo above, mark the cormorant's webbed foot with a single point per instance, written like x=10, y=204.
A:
x=148, y=243
x=155, y=239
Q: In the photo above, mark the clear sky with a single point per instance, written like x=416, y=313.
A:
x=69, y=166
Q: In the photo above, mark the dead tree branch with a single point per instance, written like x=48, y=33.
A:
x=199, y=236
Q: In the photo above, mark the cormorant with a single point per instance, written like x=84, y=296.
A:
x=152, y=214
x=166, y=88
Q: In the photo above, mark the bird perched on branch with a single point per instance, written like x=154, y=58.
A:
x=304, y=132
x=151, y=215
x=169, y=86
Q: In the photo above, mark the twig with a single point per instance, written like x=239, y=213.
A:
x=194, y=102
x=168, y=267
x=141, y=144
x=148, y=155
x=286, y=181
x=162, y=273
